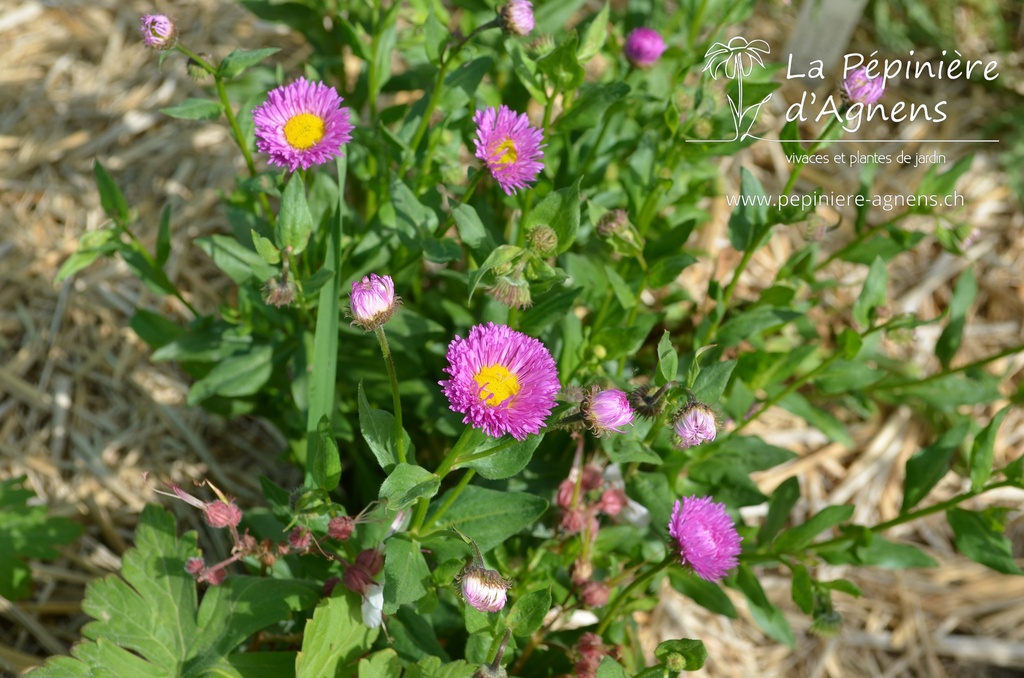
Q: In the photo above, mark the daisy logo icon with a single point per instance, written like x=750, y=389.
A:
x=736, y=59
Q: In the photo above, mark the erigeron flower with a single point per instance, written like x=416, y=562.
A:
x=301, y=125
x=706, y=536
x=695, y=424
x=484, y=589
x=373, y=301
x=607, y=411
x=158, y=31
x=509, y=146
x=502, y=380
x=861, y=89
x=517, y=17
x=644, y=46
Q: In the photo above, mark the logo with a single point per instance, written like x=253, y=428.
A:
x=736, y=60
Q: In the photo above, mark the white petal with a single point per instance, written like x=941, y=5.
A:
x=635, y=514
x=373, y=605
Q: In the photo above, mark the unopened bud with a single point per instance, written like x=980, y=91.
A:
x=300, y=539
x=220, y=514
x=484, y=589
x=341, y=527
x=594, y=594
x=194, y=566
x=613, y=223
x=543, y=240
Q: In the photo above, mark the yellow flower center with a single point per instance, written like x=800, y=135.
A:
x=304, y=130
x=508, y=152
x=497, y=384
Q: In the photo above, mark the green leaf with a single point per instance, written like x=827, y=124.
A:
x=873, y=294
x=326, y=463
x=798, y=538
x=378, y=429
x=241, y=59
x=295, y=222
x=751, y=322
x=383, y=664
x=241, y=374
x=963, y=296
x=432, y=667
x=266, y=249
x=684, y=654
x=527, y=614
x=92, y=246
x=748, y=223
x=561, y=211
x=503, y=254
x=667, y=269
x=561, y=66
x=238, y=262
x=980, y=536
x=710, y=382
x=334, y=638
x=590, y=108
x=148, y=623
x=983, y=450
x=609, y=668
x=594, y=36
x=407, y=483
x=879, y=552
x=784, y=498
x=472, y=231
x=706, y=594
x=405, y=573
x=926, y=467
x=435, y=35
x=668, y=360
x=510, y=458
x=802, y=591
x=163, y=237
x=768, y=616
x=111, y=198
x=194, y=109
x=935, y=183
x=26, y=532
x=489, y=517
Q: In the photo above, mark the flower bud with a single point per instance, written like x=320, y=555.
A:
x=214, y=577
x=613, y=223
x=607, y=411
x=543, y=240
x=158, y=31
x=220, y=514
x=612, y=501
x=675, y=662
x=572, y=521
x=593, y=478
x=643, y=47
x=563, y=498
x=512, y=291
x=194, y=566
x=860, y=89
x=594, y=594
x=827, y=624
x=484, y=589
x=517, y=17
x=370, y=560
x=279, y=292
x=695, y=424
x=197, y=72
x=357, y=579
x=373, y=301
x=341, y=527
x=300, y=539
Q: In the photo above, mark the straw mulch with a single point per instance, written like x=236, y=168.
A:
x=84, y=413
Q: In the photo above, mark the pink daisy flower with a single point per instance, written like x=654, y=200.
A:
x=301, y=125
x=509, y=146
x=502, y=380
x=706, y=536
x=157, y=30
x=373, y=301
x=695, y=424
x=607, y=411
x=861, y=89
x=644, y=46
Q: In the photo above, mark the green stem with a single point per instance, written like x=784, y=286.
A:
x=796, y=383
x=390, y=362
x=442, y=470
x=945, y=373
x=466, y=195
x=637, y=583
x=452, y=496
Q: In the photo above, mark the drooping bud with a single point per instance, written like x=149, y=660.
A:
x=647, y=403
x=371, y=560
x=220, y=514
x=194, y=566
x=612, y=501
x=517, y=17
x=827, y=624
x=695, y=424
x=563, y=498
x=341, y=527
x=214, y=577
x=543, y=240
x=484, y=589
x=300, y=539
x=373, y=301
x=607, y=411
x=594, y=594
x=279, y=292
x=613, y=223
x=158, y=31
x=195, y=70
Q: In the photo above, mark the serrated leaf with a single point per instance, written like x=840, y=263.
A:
x=378, y=429
x=405, y=573
x=194, y=109
x=383, y=664
x=489, y=517
x=334, y=638
x=240, y=59
x=527, y=613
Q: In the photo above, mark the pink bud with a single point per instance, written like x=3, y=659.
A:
x=341, y=527
x=220, y=514
x=300, y=539
x=612, y=501
x=565, y=491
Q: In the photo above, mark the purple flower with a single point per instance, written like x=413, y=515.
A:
x=643, y=47
x=509, y=147
x=706, y=536
x=484, y=589
x=517, y=17
x=695, y=424
x=502, y=380
x=373, y=301
x=607, y=411
x=301, y=125
x=157, y=31
x=861, y=89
